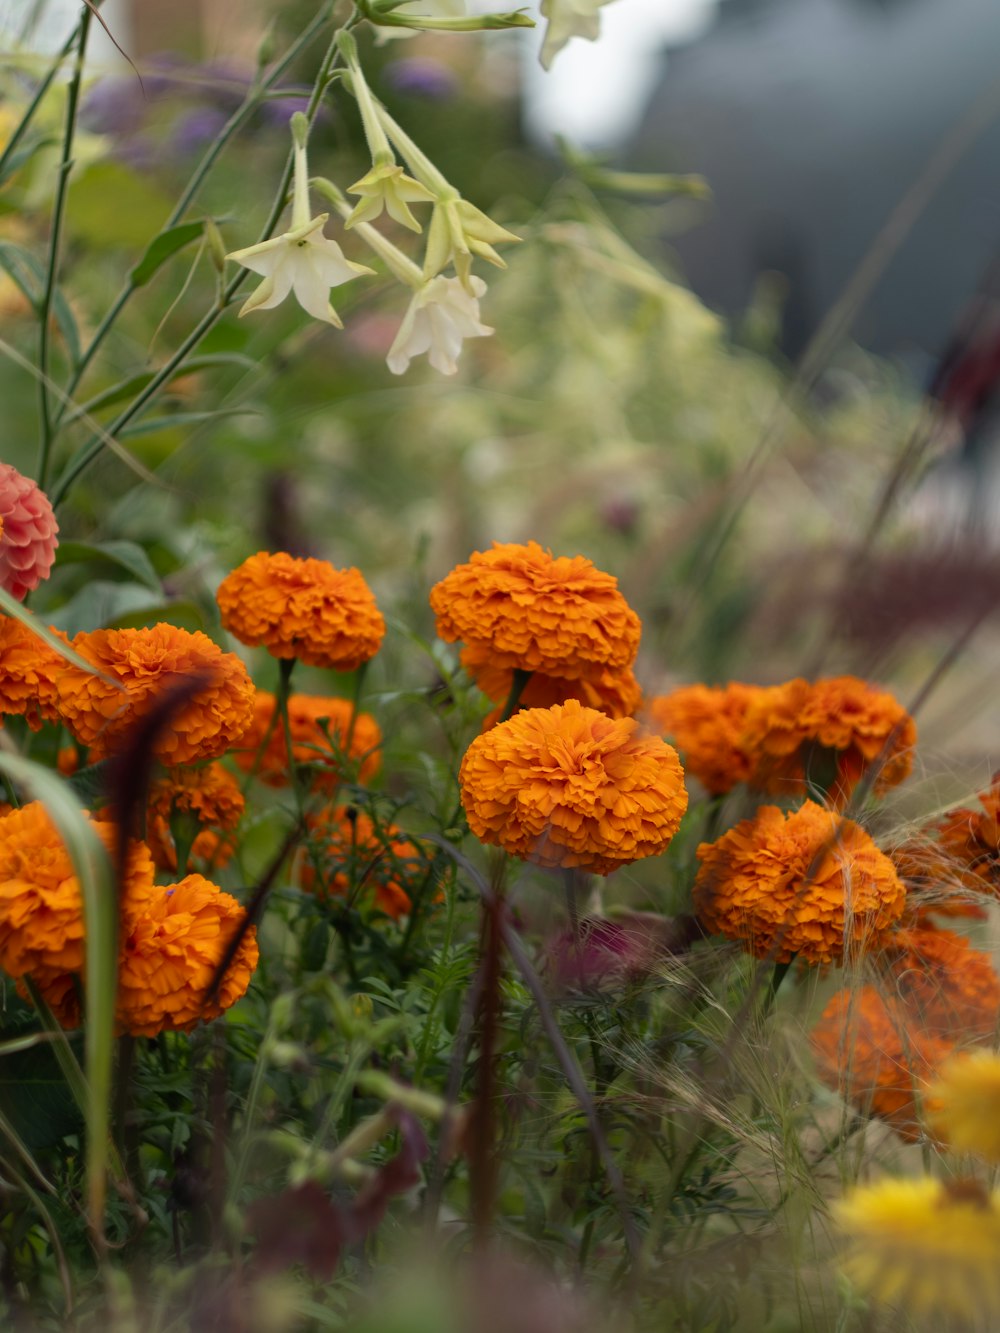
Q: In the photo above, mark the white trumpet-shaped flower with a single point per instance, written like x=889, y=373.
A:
x=569, y=18
x=301, y=260
x=441, y=315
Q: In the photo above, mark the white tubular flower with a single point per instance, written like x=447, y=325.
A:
x=434, y=9
x=301, y=260
x=458, y=231
x=387, y=186
x=442, y=313
x=568, y=18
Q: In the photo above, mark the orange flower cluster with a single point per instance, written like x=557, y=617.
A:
x=171, y=939
x=807, y=884
x=569, y=786
x=309, y=718
x=41, y=908
x=859, y=725
x=28, y=671
x=706, y=724
x=302, y=608
x=616, y=693
x=136, y=666
x=530, y=612
x=866, y=1048
x=210, y=796
x=171, y=953
x=971, y=839
x=350, y=857
x=946, y=987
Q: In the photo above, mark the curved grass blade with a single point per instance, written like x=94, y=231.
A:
x=94, y=872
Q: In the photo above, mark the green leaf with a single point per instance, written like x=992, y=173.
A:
x=36, y=1107
x=119, y=555
x=162, y=247
x=29, y=274
x=153, y=424
x=92, y=867
x=90, y=784
x=101, y=603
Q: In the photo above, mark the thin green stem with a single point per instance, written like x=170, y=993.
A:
x=286, y=666
x=255, y=96
x=518, y=684
x=55, y=244
x=36, y=101
x=93, y=447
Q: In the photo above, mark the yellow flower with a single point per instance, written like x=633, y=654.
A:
x=964, y=1104
x=930, y=1246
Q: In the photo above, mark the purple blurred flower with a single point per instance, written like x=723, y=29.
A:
x=113, y=106
x=598, y=953
x=420, y=77
x=196, y=128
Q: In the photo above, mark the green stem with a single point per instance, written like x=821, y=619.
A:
x=285, y=667
x=55, y=243
x=36, y=101
x=95, y=444
x=518, y=685
x=255, y=96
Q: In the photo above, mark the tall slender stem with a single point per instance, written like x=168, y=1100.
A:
x=55, y=242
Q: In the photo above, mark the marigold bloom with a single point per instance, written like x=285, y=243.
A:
x=964, y=1103
x=145, y=662
x=928, y=1245
x=562, y=617
x=28, y=671
x=568, y=786
x=41, y=907
x=210, y=796
x=310, y=717
x=867, y=1048
x=28, y=530
x=706, y=723
x=302, y=608
x=616, y=693
x=170, y=954
x=949, y=988
x=808, y=884
x=787, y=723
x=970, y=839
x=350, y=857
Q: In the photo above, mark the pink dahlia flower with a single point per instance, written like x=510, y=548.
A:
x=28, y=534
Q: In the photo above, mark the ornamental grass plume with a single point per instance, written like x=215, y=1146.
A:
x=706, y=723
x=137, y=666
x=616, y=693
x=41, y=907
x=28, y=671
x=805, y=884
x=320, y=727
x=948, y=988
x=795, y=731
x=170, y=954
x=302, y=608
x=28, y=530
x=963, y=1104
x=928, y=1245
x=568, y=786
x=867, y=1048
x=533, y=612
x=351, y=857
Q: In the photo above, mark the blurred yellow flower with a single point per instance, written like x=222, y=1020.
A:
x=963, y=1106
x=928, y=1245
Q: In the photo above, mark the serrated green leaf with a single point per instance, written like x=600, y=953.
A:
x=90, y=784
x=162, y=248
x=29, y=274
x=120, y=555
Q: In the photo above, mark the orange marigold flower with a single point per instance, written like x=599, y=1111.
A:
x=970, y=840
x=616, y=693
x=569, y=786
x=41, y=908
x=302, y=608
x=310, y=717
x=809, y=884
x=61, y=991
x=867, y=1050
x=948, y=987
x=28, y=530
x=706, y=723
x=209, y=796
x=562, y=617
x=28, y=671
x=170, y=954
x=209, y=849
x=144, y=662
x=350, y=857
x=787, y=724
